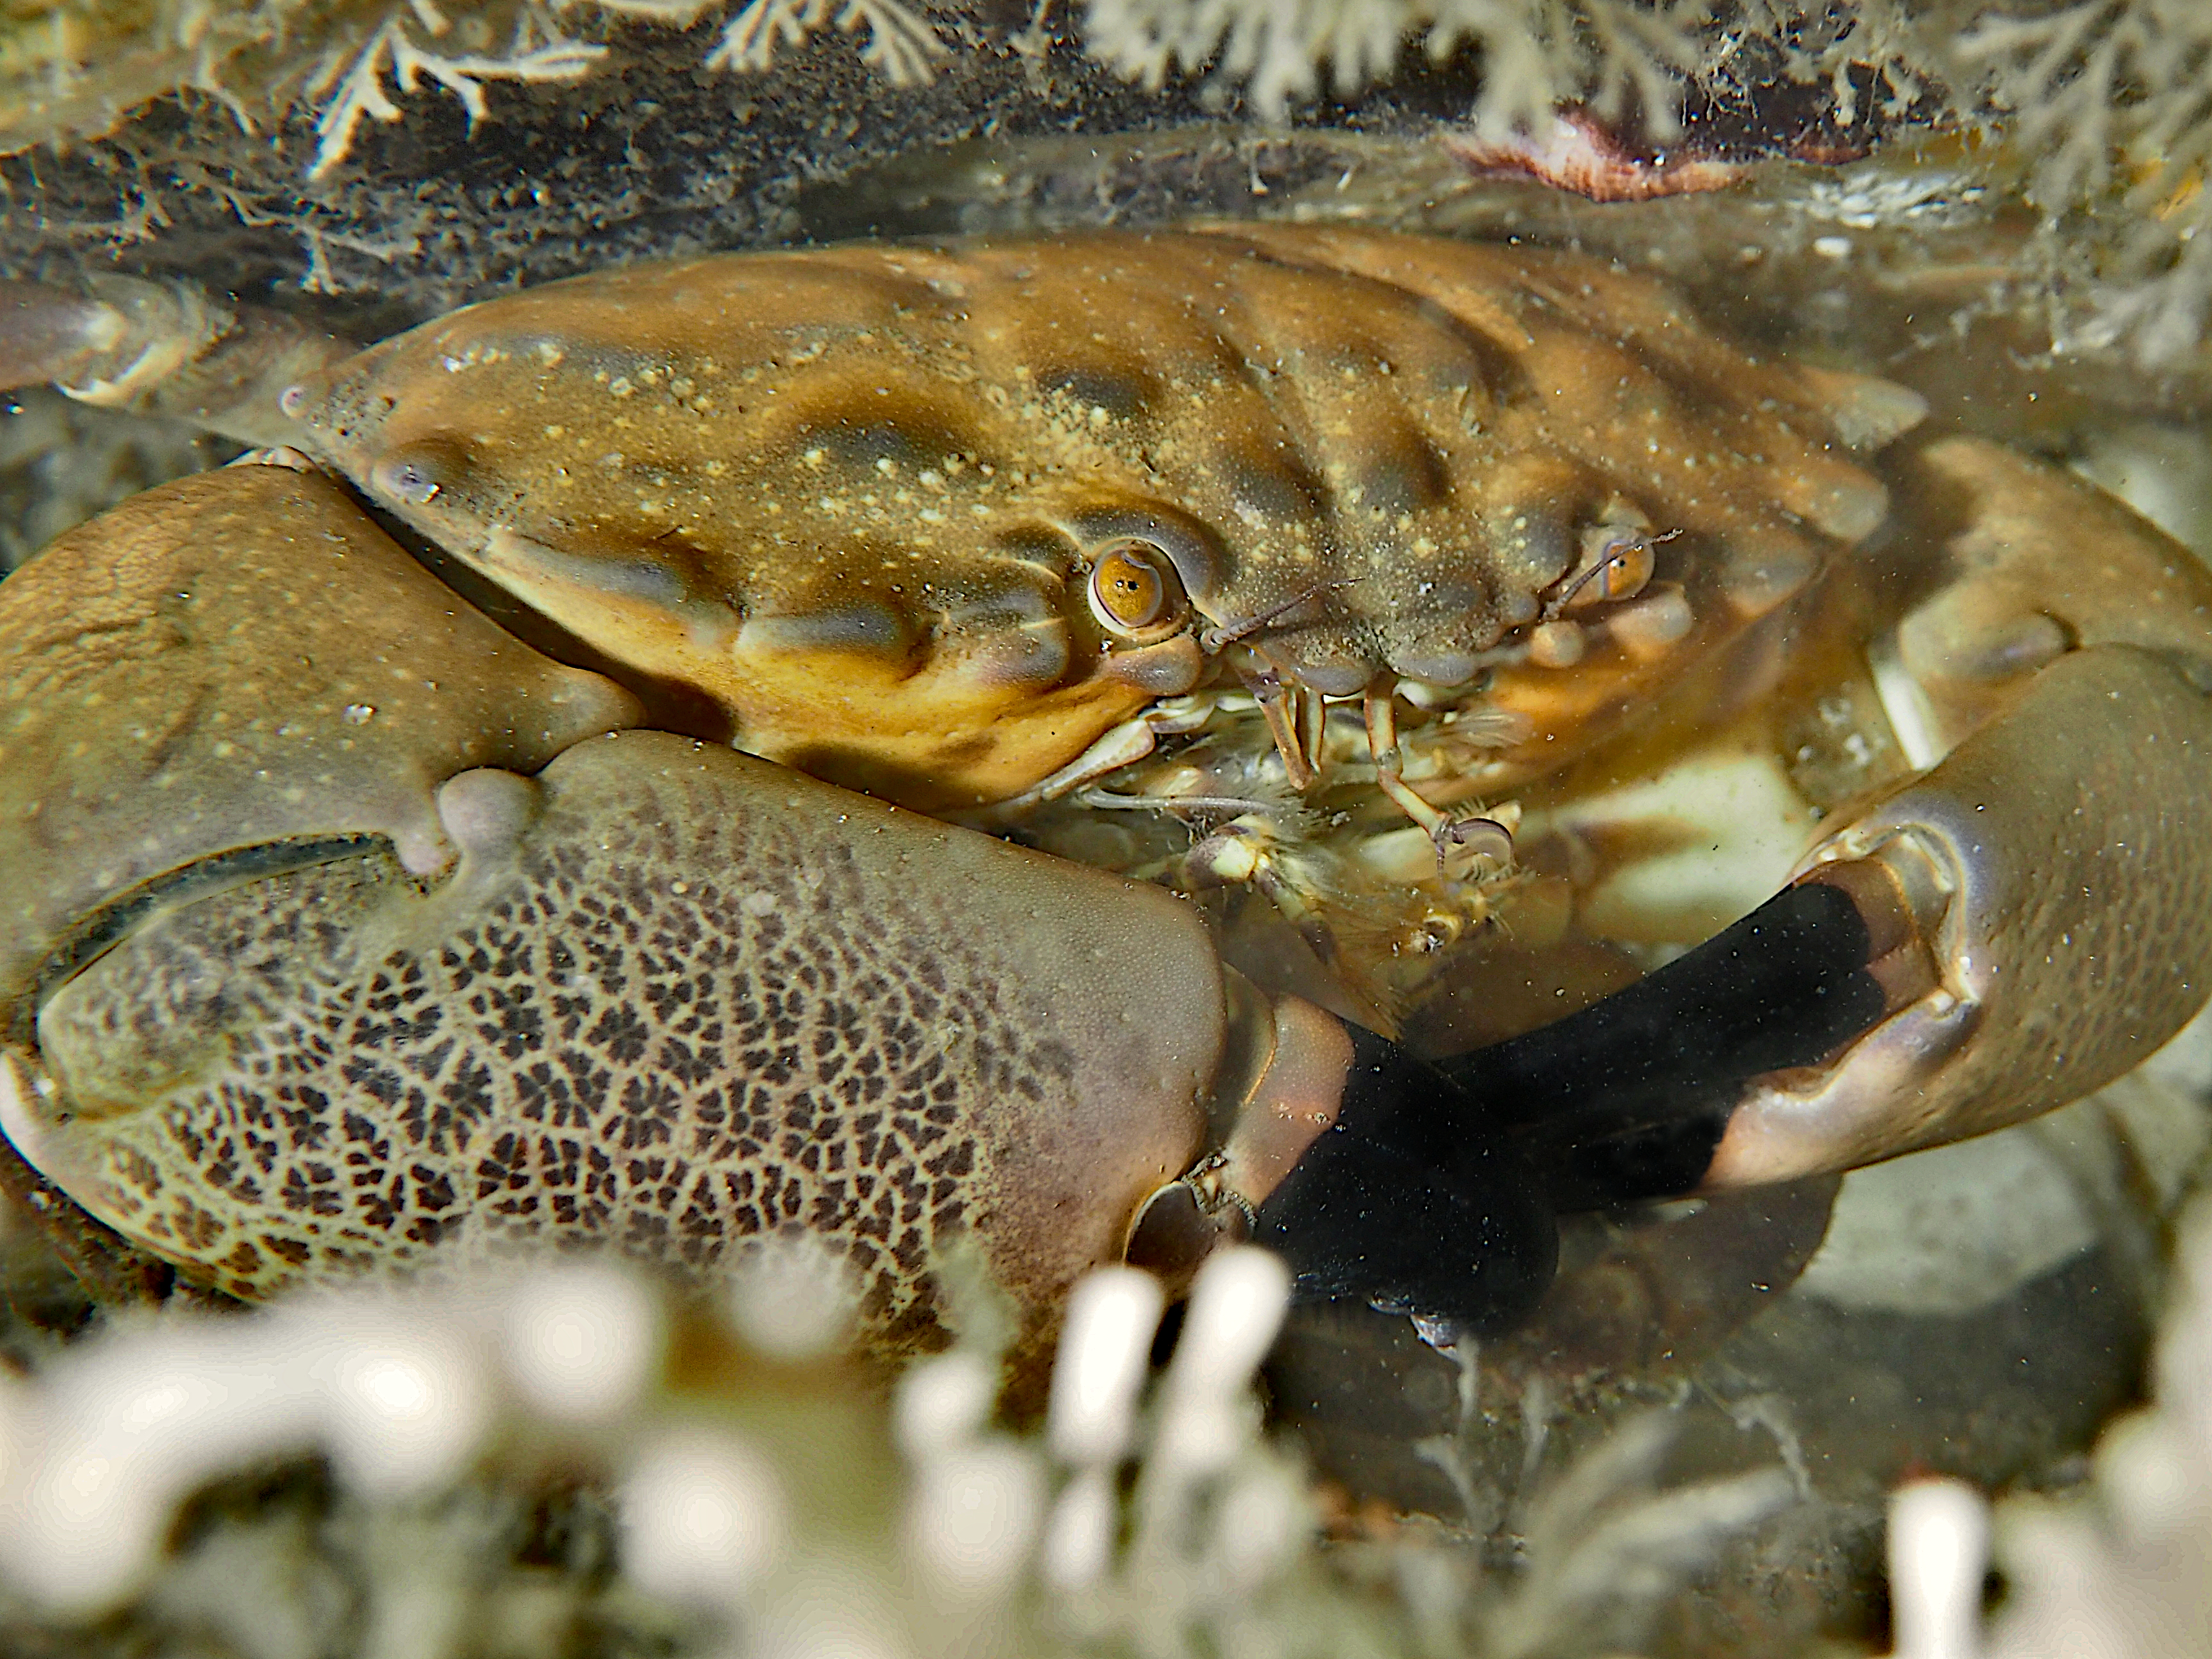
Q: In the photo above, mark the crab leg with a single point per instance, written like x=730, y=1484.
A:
x=1380, y=714
x=1469, y=837
x=1293, y=722
x=165, y=349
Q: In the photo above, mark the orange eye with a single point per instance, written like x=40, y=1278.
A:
x=1624, y=566
x=1134, y=593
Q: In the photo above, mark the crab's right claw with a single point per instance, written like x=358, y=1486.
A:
x=2053, y=908
x=2012, y=929
x=2006, y=934
x=2053, y=874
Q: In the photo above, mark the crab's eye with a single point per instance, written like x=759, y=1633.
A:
x=1134, y=591
x=1620, y=568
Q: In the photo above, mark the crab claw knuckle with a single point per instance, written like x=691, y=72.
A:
x=2052, y=871
x=2034, y=562
x=236, y=659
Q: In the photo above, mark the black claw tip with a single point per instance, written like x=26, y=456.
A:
x=1359, y=1219
x=1405, y=1205
x=1436, y=1191
x=1628, y=1098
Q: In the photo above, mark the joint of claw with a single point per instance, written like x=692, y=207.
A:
x=1230, y=857
x=1901, y=908
x=1474, y=839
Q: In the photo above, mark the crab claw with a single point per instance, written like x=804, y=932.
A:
x=346, y=933
x=1999, y=937
x=2050, y=871
x=2006, y=933
x=2011, y=929
x=2056, y=902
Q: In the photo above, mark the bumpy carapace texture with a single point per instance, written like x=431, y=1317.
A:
x=859, y=495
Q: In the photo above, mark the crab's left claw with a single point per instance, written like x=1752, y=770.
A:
x=2012, y=928
x=2052, y=876
x=2026, y=919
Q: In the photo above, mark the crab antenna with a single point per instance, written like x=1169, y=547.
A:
x=1605, y=564
x=1229, y=633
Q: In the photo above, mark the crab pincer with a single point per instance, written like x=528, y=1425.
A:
x=352, y=936
x=2036, y=904
x=2003, y=933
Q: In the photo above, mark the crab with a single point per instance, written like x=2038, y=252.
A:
x=354, y=931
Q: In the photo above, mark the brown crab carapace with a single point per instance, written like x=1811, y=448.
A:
x=943, y=523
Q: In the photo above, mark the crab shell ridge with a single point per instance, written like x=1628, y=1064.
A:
x=856, y=495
